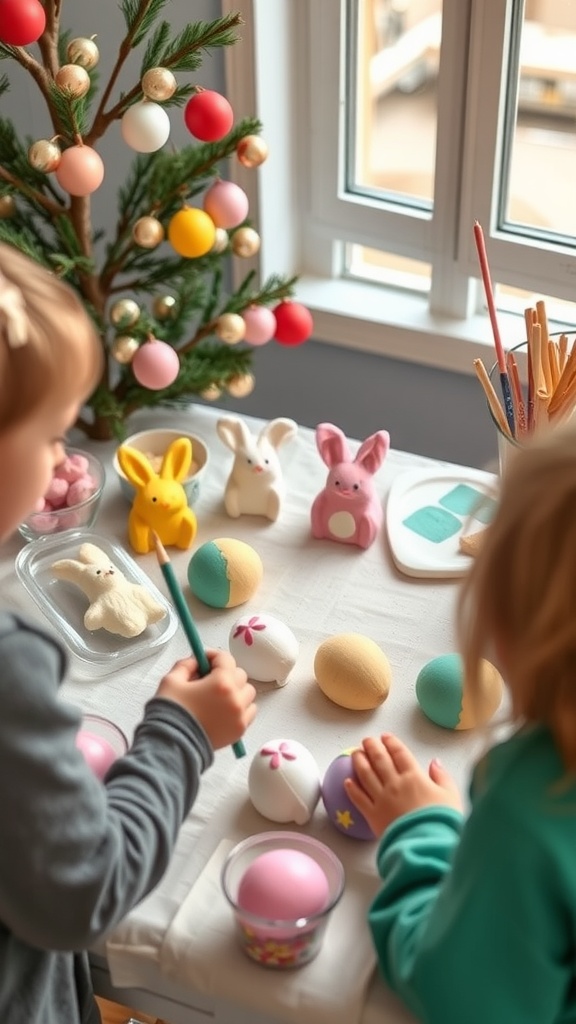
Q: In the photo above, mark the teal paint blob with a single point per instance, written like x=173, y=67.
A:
x=439, y=690
x=433, y=523
x=207, y=575
x=468, y=501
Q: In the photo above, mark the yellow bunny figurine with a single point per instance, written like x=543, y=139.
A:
x=160, y=505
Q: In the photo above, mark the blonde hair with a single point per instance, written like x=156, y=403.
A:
x=62, y=354
x=519, y=598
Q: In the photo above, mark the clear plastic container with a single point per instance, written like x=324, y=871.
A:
x=96, y=652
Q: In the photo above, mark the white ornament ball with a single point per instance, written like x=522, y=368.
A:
x=284, y=781
x=260, y=325
x=145, y=126
x=264, y=646
x=155, y=365
x=226, y=203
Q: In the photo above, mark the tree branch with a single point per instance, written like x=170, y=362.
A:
x=53, y=208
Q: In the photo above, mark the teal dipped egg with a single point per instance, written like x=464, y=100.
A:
x=225, y=572
x=447, y=700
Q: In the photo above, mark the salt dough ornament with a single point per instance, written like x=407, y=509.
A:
x=446, y=700
x=255, y=485
x=342, y=812
x=264, y=647
x=353, y=671
x=284, y=781
x=116, y=604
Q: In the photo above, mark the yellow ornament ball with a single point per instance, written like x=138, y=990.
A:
x=191, y=232
x=225, y=572
x=353, y=671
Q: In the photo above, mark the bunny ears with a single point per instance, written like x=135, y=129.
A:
x=333, y=447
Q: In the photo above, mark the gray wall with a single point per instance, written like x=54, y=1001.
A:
x=426, y=410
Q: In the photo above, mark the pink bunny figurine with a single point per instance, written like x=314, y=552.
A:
x=348, y=509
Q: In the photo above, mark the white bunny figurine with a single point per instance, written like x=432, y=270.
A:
x=255, y=485
x=116, y=604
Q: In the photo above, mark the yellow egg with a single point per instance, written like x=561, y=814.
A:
x=353, y=671
x=191, y=232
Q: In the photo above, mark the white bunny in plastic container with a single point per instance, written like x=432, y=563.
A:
x=348, y=509
x=255, y=485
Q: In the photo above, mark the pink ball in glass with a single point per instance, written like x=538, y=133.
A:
x=260, y=324
x=155, y=365
x=283, y=885
x=80, y=171
x=98, y=752
x=226, y=203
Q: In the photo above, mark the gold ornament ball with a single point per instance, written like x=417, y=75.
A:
x=44, y=155
x=241, y=386
x=164, y=306
x=7, y=207
x=158, y=84
x=148, y=232
x=245, y=242
x=125, y=312
x=211, y=393
x=83, y=52
x=251, y=151
x=230, y=327
x=221, y=240
x=124, y=348
x=73, y=79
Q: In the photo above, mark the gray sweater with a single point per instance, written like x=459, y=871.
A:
x=76, y=855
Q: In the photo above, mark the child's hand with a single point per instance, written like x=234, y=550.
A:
x=222, y=701
x=391, y=783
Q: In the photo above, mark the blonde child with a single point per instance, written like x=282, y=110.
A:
x=475, y=922
x=76, y=855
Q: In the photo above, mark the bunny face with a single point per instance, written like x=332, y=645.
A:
x=350, y=483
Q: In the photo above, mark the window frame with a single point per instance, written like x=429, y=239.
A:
x=297, y=195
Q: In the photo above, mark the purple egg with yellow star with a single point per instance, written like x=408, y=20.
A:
x=341, y=811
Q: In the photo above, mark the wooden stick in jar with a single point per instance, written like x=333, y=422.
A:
x=492, y=397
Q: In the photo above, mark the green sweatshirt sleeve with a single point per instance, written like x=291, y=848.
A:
x=466, y=925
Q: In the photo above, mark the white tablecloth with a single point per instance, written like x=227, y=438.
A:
x=319, y=588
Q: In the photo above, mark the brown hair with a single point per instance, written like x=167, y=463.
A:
x=62, y=354
x=519, y=598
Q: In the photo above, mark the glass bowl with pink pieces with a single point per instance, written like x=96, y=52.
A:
x=72, y=499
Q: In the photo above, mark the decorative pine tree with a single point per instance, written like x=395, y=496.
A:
x=156, y=290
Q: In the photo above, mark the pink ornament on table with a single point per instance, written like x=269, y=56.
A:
x=80, y=171
x=145, y=126
x=208, y=115
x=22, y=22
x=101, y=742
x=155, y=365
x=260, y=324
x=294, y=323
x=226, y=204
x=348, y=509
x=283, y=885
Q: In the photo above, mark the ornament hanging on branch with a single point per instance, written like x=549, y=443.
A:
x=125, y=313
x=230, y=328
x=241, y=386
x=83, y=52
x=155, y=365
x=260, y=325
x=245, y=242
x=226, y=204
x=44, y=155
x=80, y=170
x=294, y=323
x=191, y=232
x=145, y=126
x=158, y=84
x=208, y=115
x=73, y=80
x=251, y=151
x=164, y=307
x=124, y=348
x=148, y=232
x=22, y=22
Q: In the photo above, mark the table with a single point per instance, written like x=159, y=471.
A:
x=319, y=588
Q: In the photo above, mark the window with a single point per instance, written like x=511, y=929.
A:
x=393, y=125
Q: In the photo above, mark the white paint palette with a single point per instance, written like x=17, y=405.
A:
x=427, y=513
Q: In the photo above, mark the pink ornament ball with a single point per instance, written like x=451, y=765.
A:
x=80, y=171
x=22, y=22
x=155, y=365
x=98, y=752
x=283, y=885
x=226, y=204
x=260, y=325
x=208, y=115
x=294, y=323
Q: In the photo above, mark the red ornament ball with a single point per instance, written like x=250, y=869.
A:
x=294, y=323
x=155, y=365
x=21, y=22
x=208, y=115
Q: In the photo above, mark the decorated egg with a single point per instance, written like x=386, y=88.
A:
x=353, y=671
x=225, y=572
x=283, y=885
x=264, y=647
x=284, y=781
x=341, y=811
x=445, y=698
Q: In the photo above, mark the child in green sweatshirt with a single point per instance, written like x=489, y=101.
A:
x=475, y=922
x=76, y=855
